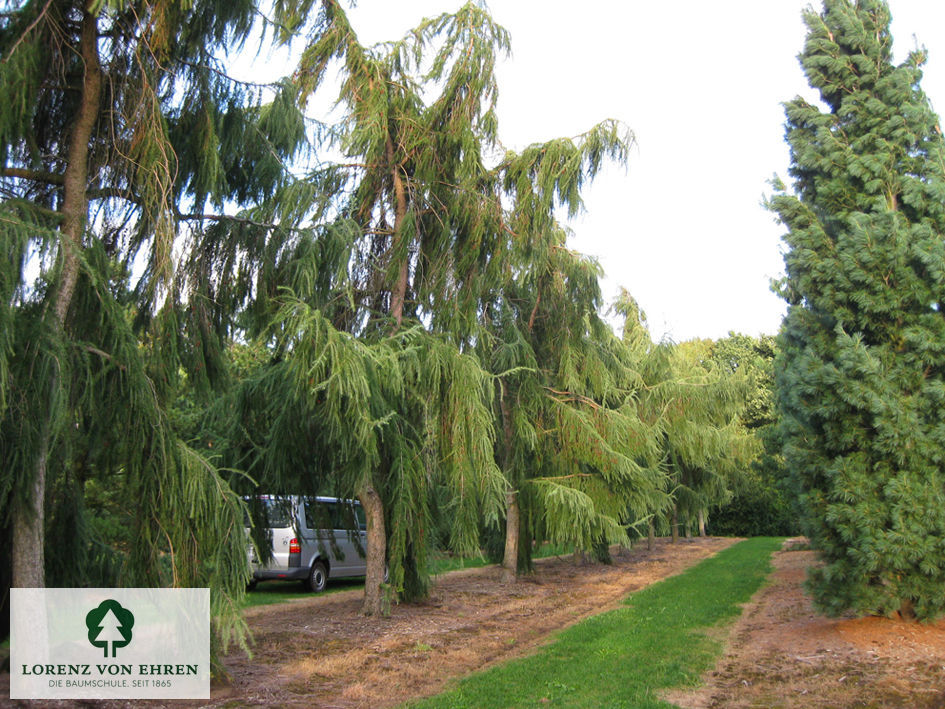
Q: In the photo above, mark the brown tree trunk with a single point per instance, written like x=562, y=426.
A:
x=674, y=524
x=650, y=536
x=399, y=292
x=28, y=522
x=376, y=551
x=510, y=559
x=907, y=610
x=701, y=523
x=512, y=517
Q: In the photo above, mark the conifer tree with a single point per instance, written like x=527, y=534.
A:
x=579, y=461
x=861, y=373
x=708, y=448
x=118, y=126
x=413, y=196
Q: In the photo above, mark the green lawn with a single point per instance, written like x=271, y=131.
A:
x=623, y=658
x=269, y=592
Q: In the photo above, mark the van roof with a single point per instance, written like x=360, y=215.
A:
x=319, y=498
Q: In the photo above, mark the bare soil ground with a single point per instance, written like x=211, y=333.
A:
x=318, y=652
x=782, y=653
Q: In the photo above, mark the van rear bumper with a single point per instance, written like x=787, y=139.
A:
x=300, y=573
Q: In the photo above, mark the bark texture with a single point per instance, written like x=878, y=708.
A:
x=399, y=292
x=28, y=560
x=376, y=552
x=510, y=559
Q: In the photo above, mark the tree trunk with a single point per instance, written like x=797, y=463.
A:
x=650, y=536
x=512, y=517
x=510, y=559
x=674, y=524
x=907, y=610
x=376, y=551
x=28, y=552
x=399, y=292
x=701, y=523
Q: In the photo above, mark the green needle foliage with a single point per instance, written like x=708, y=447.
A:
x=861, y=376
x=708, y=448
x=693, y=406
x=118, y=126
x=399, y=294
x=579, y=461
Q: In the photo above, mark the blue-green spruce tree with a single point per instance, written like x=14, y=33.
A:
x=861, y=376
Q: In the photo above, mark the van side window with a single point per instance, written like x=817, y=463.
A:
x=321, y=515
x=359, y=515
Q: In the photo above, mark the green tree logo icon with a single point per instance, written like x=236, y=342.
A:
x=110, y=623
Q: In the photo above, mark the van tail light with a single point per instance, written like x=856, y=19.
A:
x=295, y=553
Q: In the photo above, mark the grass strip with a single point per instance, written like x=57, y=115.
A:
x=658, y=640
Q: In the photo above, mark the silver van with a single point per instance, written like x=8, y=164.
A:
x=313, y=539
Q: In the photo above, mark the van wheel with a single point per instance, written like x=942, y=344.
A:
x=318, y=577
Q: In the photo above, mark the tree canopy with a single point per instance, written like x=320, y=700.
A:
x=436, y=226
x=860, y=370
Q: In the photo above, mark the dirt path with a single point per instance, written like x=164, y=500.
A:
x=319, y=652
x=781, y=653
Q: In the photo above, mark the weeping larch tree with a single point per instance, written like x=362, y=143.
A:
x=371, y=327
x=579, y=462
x=117, y=126
x=861, y=369
x=372, y=290
x=706, y=445
x=692, y=407
x=389, y=292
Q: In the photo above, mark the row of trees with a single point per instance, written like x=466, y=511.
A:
x=415, y=331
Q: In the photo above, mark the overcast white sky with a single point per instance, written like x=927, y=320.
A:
x=701, y=85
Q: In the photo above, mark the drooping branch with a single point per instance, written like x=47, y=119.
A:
x=268, y=226
x=399, y=294
x=32, y=25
